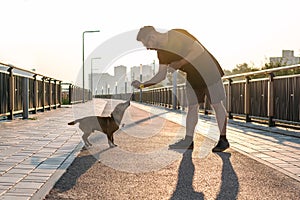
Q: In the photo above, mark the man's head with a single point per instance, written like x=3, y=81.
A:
x=148, y=36
x=144, y=32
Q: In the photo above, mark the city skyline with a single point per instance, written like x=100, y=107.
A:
x=120, y=80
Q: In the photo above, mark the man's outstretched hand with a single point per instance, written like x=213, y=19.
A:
x=136, y=84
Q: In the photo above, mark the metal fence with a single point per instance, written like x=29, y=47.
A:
x=275, y=99
x=72, y=94
x=272, y=99
x=23, y=91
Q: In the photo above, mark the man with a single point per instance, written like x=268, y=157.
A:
x=179, y=50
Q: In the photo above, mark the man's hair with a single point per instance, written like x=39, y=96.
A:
x=144, y=31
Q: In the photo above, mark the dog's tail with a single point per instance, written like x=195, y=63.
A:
x=73, y=122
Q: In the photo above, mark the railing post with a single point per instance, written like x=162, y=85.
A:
x=55, y=94
x=174, y=91
x=184, y=98
x=35, y=94
x=229, y=96
x=70, y=94
x=25, y=96
x=205, y=105
x=43, y=94
x=166, y=97
x=50, y=93
x=271, y=100
x=247, y=100
x=152, y=97
x=11, y=94
x=178, y=97
x=59, y=94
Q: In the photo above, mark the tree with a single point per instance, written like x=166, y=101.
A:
x=282, y=72
x=239, y=69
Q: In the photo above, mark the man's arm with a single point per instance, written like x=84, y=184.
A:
x=157, y=78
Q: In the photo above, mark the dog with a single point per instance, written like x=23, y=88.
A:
x=108, y=125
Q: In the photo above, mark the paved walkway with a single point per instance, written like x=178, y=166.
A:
x=35, y=153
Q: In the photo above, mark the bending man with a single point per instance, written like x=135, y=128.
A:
x=179, y=50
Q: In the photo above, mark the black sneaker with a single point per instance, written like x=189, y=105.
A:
x=222, y=145
x=182, y=144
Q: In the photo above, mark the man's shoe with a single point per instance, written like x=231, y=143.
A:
x=182, y=144
x=222, y=145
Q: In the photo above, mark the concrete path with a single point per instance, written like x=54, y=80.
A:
x=35, y=153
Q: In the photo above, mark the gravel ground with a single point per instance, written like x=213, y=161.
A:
x=102, y=173
x=228, y=175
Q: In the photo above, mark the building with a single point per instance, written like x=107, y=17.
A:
x=145, y=70
x=120, y=82
x=287, y=58
x=102, y=83
x=105, y=83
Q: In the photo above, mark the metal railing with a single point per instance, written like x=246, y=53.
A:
x=72, y=94
x=272, y=99
x=23, y=91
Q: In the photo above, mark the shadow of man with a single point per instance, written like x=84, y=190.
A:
x=184, y=188
x=229, y=188
x=79, y=166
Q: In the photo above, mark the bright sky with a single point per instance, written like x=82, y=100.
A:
x=47, y=34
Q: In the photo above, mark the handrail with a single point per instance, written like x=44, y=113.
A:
x=28, y=71
x=265, y=71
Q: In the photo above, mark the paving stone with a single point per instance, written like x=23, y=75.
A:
x=8, y=180
x=294, y=170
x=28, y=185
x=21, y=191
x=285, y=165
x=36, y=178
x=19, y=171
x=296, y=163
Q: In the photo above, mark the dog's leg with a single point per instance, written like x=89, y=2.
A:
x=110, y=140
x=85, y=139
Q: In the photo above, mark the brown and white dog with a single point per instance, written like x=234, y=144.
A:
x=107, y=125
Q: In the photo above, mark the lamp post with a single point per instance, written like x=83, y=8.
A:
x=141, y=79
x=153, y=67
x=126, y=80
x=83, y=98
x=92, y=89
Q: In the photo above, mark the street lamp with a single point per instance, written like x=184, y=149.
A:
x=83, y=98
x=141, y=79
x=92, y=89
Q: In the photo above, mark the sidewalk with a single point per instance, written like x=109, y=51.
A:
x=35, y=153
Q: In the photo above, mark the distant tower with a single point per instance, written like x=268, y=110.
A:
x=120, y=76
x=287, y=58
